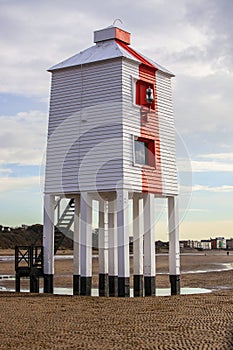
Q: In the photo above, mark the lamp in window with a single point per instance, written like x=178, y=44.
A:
x=149, y=95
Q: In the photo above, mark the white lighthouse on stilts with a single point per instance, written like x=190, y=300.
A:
x=111, y=139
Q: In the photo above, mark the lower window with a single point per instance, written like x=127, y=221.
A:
x=144, y=151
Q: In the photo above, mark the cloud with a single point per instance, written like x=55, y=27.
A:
x=4, y=171
x=220, y=162
x=210, y=162
x=211, y=166
x=204, y=104
x=8, y=184
x=23, y=138
x=198, y=210
x=218, y=156
x=214, y=18
x=36, y=35
x=217, y=189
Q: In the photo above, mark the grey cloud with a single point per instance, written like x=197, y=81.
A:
x=204, y=103
x=214, y=18
x=38, y=34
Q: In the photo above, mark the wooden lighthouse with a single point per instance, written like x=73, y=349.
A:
x=111, y=139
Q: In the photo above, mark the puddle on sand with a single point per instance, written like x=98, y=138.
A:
x=95, y=291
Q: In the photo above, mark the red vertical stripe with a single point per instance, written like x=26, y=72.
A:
x=151, y=176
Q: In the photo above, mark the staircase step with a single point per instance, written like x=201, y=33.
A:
x=64, y=224
x=67, y=217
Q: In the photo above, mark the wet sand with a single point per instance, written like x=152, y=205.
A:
x=204, y=321
x=211, y=261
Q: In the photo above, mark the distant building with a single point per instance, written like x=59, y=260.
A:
x=229, y=243
x=206, y=244
x=218, y=243
x=184, y=244
x=190, y=244
x=196, y=244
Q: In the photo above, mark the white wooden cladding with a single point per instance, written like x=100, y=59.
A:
x=93, y=120
x=167, y=134
x=84, y=151
x=131, y=126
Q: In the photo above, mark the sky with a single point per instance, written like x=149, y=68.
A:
x=193, y=39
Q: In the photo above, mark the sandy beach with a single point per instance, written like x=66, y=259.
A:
x=66, y=322
x=201, y=321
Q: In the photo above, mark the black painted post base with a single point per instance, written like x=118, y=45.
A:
x=138, y=285
x=17, y=282
x=123, y=287
x=113, y=286
x=76, y=284
x=85, y=286
x=103, y=285
x=149, y=286
x=34, y=284
x=48, y=284
x=175, y=284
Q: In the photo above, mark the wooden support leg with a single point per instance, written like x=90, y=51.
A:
x=86, y=243
x=112, y=257
x=48, y=242
x=76, y=276
x=17, y=282
x=138, y=246
x=174, y=247
x=34, y=283
x=149, y=245
x=103, y=248
x=123, y=243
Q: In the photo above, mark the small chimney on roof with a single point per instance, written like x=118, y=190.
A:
x=110, y=33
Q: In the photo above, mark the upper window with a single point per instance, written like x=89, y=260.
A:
x=141, y=93
x=144, y=151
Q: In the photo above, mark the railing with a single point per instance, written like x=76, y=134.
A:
x=29, y=263
x=28, y=257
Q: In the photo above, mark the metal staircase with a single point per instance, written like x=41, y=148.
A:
x=62, y=228
x=64, y=224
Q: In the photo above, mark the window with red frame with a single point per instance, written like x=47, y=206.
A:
x=144, y=151
x=141, y=87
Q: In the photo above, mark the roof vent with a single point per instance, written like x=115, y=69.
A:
x=110, y=33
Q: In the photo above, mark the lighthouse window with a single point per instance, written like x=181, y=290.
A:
x=144, y=151
x=142, y=88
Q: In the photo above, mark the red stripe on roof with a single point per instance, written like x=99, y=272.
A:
x=135, y=54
